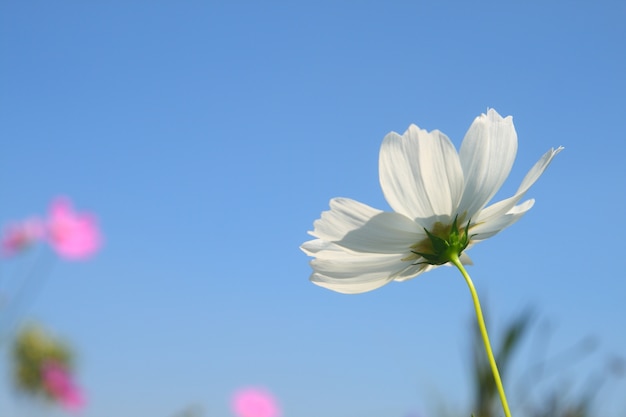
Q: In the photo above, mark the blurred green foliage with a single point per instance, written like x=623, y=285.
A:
x=32, y=349
x=486, y=399
x=557, y=401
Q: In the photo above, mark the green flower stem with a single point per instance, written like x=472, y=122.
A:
x=454, y=258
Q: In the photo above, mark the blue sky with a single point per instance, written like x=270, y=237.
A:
x=208, y=136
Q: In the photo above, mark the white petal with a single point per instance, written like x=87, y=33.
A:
x=465, y=259
x=361, y=284
x=420, y=173
x=344, y=216
x=342, y=270
x=313, y=247
x=356, y=278
x=502, y=207
x=360, y=248
x=364, y=229
x=384, y=233
x=348, y=264
x=487, y=155
x=494, y=225
x=537, y=169
x=413, y=271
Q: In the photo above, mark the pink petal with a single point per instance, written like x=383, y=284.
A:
x=72, y=235
x=255, y=402
x=19, y=236
x=72, y=399
x=61, y=387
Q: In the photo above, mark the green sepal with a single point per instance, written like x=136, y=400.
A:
x=444, y=249
x=439, y=244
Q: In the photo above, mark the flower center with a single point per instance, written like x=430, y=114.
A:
x=443, y=241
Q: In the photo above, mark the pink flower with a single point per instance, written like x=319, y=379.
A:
x=61, y=387
x=72, y=235
x=19, y=236
x=255, y=402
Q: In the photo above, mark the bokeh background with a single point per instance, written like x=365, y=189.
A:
x=208, y=136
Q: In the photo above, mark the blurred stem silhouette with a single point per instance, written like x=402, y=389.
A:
x=191, y=411
x=554, y=403
x=31, y=280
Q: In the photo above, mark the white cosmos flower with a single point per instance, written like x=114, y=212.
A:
x=428, y=185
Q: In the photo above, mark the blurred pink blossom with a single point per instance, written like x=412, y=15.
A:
x=255, y=402
x=72, y=235
x=19, y=236
x=61, y=387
